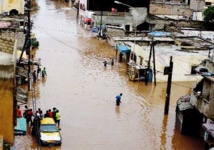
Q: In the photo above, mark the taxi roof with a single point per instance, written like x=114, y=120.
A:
x=47, y=121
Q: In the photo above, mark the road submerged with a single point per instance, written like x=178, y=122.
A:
x=84, y=91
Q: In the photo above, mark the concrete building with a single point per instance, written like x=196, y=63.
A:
x=11, y=38
x=185, y=56
x=202, y=96
x=7, y=76
x=10, y=6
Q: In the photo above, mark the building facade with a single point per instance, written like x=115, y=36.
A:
x=6, y=6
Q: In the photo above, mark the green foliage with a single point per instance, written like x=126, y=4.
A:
x=209, y=14
x=34, y=43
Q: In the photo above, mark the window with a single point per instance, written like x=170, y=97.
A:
x=208, y=3
x=193, y=70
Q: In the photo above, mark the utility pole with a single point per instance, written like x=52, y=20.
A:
x=166, y=110
x=29, y=40
x=152, y=50
x=154, y=65
x=101, y=16
x=78, y=9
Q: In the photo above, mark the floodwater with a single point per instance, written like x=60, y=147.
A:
x=84, y=92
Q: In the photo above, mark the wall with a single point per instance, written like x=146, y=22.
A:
x=159, y=24
x=197, y=5
x=211, y=107
x=206, y=89
x=6, y=45
x=6, y=110
x=14, y=35
x=210, y=66
x=170, y=9
x=8, y=5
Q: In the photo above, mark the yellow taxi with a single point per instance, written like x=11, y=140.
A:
x=49, y=133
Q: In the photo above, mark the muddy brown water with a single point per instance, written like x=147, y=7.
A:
x=84, y=92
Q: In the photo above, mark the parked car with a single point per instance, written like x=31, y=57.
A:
x=49, y=133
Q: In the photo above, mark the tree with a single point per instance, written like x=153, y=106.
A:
x=209, y=14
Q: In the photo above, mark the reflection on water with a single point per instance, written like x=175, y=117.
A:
x=117, y=110
x=84, y=91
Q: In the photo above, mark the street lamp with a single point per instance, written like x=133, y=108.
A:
x=118, y=2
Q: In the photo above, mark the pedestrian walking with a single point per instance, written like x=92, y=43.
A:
x=112, y=62
x=118, y=99
x=34, y=76
x=38, y=73
x=58, y=118
x=44, y=73
x=54, y=113
x=35, y=125
x=41, y=116
x=37, y=114
x=50, y=113
x=105, y=63
x=18, y=112
x=29, y=116
x=25, y=111
x=46, y=114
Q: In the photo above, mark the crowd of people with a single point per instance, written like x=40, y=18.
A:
x=33, y=118
x=39, y=73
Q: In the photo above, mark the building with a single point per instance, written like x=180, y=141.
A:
x=11, y=39
x=9, y=7
x=202, y=96
x=187, y=54
x=7, y=85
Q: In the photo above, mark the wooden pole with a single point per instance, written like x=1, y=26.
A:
x=29, y=40
x=78, y=10
x=148, y=67
x=166, y=110
x=154, y=65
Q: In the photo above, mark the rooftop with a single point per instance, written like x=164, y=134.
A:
x=173, y=50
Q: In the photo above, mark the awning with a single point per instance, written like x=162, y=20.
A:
x=21, y=127
x=159, y=33
x=209, y=127
x=123, y=49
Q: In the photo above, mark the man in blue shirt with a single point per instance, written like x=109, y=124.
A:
x=118, y=99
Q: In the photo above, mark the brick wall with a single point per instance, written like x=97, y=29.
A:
x=6, y=45
x=159, y=24
x=14, y=35
x=170, y=9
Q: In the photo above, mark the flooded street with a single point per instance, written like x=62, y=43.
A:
x=84, y=92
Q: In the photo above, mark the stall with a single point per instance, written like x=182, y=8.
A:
x=124, y=52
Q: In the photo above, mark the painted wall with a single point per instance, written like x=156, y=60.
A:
x=8, y=5
x=6, y=110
